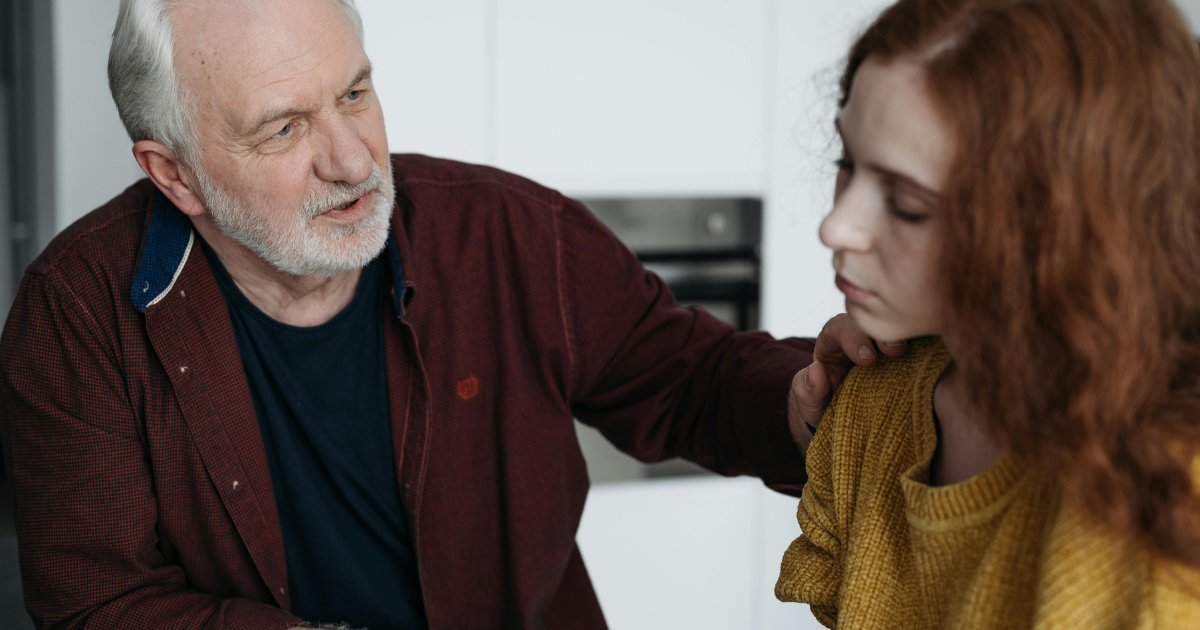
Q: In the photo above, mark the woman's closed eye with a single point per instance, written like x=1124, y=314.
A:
x=904, y=215
x=908, y=201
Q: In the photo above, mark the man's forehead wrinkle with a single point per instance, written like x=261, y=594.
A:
x=281, y=101
x=296, y=57
x=288, y=106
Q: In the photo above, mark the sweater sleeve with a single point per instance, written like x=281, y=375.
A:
x=1176, y=596
x=811, y=571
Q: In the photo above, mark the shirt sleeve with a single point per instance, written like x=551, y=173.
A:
x=811, y=571
x=662, y=381
x=86, y=513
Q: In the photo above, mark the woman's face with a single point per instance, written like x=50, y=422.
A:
x=885, y=227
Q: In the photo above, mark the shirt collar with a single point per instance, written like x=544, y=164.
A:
x=169, y=243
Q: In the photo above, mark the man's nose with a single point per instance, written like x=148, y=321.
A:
x=848, y=226
x=346, y=157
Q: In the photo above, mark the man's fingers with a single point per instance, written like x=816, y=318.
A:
x=843, y=343
x=836, y=374
x=811, y=389
x=892, y=348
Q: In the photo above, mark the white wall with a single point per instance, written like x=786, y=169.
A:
x=1190, y=10
x=92, y=150
x=633, y=97
x=434, y=75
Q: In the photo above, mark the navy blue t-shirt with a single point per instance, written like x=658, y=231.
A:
x=322, y=403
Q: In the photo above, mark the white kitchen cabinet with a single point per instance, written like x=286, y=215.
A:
x=432, y=74
x=701, y=553
x=633, y=97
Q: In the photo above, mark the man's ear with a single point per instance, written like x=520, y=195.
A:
x=170, y=175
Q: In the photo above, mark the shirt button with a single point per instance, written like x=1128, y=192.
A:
x=235, y=485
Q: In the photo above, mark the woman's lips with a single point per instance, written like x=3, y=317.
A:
x=853, y=292
x=357, y=211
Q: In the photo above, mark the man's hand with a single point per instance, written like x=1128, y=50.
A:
x=840, y=346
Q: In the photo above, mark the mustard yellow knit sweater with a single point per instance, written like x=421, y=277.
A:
x=880, y=548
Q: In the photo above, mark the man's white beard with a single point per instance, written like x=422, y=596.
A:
x=300, y=247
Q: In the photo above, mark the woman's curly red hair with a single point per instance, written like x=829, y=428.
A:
x=1072, y=252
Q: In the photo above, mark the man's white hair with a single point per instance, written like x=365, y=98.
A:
x=141, y=74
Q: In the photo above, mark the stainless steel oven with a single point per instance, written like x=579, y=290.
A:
x=707, y=250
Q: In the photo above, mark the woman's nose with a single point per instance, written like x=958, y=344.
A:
x=847, y=226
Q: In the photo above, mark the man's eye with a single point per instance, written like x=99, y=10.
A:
x=355, y=95
x=286, y=131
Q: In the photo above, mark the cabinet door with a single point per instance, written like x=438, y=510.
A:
x=624, y=97
x=431, y=74
x=679, y=553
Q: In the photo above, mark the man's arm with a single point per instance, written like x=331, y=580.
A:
x=661, y=381
x=83, y=489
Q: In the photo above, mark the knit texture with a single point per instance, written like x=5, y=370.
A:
x=881, y=548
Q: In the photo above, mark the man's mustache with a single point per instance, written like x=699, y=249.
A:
x=340, y=193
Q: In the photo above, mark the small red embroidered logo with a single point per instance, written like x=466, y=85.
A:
x=469, y=388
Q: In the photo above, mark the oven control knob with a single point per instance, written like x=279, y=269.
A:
x=716, y=224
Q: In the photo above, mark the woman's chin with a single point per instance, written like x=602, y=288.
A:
x=879, y=328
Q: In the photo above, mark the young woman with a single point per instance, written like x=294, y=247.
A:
x=1020, y=191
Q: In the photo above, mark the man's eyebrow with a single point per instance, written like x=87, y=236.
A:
x=273, y=115
x=363, y=74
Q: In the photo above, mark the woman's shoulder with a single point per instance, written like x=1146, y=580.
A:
x=917, y=369
x=891, y=400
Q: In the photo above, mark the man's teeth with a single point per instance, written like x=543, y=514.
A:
x=346, y=205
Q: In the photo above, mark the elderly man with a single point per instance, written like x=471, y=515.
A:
x=290, y=379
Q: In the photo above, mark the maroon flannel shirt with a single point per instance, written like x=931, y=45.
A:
x=143, y=498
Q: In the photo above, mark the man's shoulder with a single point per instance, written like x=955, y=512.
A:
x=108, y=234
x=414, y=172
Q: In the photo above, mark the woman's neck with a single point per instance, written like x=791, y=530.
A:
x=964, y=446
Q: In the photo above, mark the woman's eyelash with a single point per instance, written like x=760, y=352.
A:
x=907, y=217
x=844, y=164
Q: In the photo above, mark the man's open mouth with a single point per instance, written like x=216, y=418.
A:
x=346, y=206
